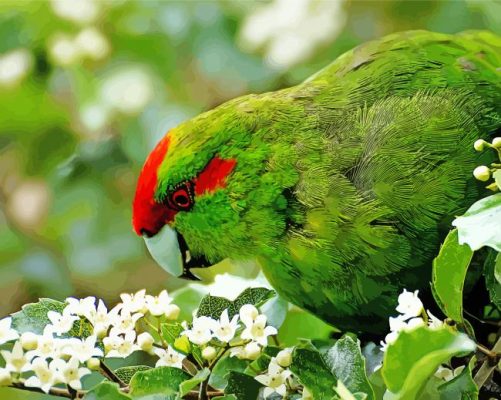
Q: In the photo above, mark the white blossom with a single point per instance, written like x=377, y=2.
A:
x=101, y=319
x=93, y=43
x=159, y=305
x=248, y=313
x=119, y=344
x=81, y=307
x=224, y=329
x=46, y=375
x=61, y=323
x=209, y=353
x=78, y=11
x=14, y=66
x=70, y=372
x=250, y=351
x=63, y=50
x=145, y=341
x=82, y=349
x=47, y=346
x=409, y=304
x=274, y=380
x=169, y=358
x=29, y=340
x=284, y=357
x=200, y=332
x=5, y=378
x=448, y=374
x=6, y=332
x=258, y=331
x=434, y=322
x=15, y=360
x=135, y=302
x=125, y=321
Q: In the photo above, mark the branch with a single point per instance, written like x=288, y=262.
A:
x=488, y=366
x=53, y=391
x=108, y=373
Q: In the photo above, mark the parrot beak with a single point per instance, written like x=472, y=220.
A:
x=169, y=249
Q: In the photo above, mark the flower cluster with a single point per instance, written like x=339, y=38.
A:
x=484, y=173
x=411, y=315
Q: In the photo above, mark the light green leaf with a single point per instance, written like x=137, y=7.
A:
x=480, y=225
x=261, y=363
x=219, y=377
x=346, y=363
x=415, y=356
x=106, y=390
x=491, y=264
x=213, y=306
x=226, y=397
x=157, y=381
x=311, y=370
x=497, y=177
x=345, y=394
x=242, y=386
x=196, y=380
x=126, y=373
x=497, y=269
x=449, y=273
x=462, y=387
x=171, y=333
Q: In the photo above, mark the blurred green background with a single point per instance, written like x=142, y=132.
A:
x=88, y=87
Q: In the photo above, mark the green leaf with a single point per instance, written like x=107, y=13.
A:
x=243, y=386
x=106, y=390
x=126, y=373
x=462, y=387
x=491, y=264
x=311, y=370
x=219, y=377
x=262, y=362
x=226, y=397
x=346, y=363
x=171, y=333
x=213, y=306
x=157, y=381
x=449, y=273
x=480, y=226
x=415, y=356
x=33, y=316
x=497, y=269
x=196, y=380
x=497, y=177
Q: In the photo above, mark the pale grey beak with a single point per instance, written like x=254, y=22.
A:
x=165, y=250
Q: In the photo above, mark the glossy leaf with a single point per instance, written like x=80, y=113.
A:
x=157, y=381
x=193, y=382
x=106, y=390
x=242, y=386
x=126, y=373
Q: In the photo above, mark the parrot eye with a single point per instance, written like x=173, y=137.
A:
x=182, y=197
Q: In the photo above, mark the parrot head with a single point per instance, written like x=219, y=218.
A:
x=206, y=193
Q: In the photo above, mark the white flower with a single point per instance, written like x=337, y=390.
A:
x=250, y=351
x=70, y=372
x=159, y=305
x=284, y=357
x=125, y=321
x=448, y=374
x=258, y=331
x=224, y=329
x=409, y=304
x=119, y=344
x=306, y=395
x=47, y=346
x=61, y=323
x=169, y=358
x=434, y=322
x=134, y=301
x=482, y=173
x=6, y=332
x=479, y=144
x=45, y=376
x=389, y=339
x=414, y=323
x=145, y=341
x=5, y=378
x=209, y=353
x=101, y=319
x=93, y=43
x=397, y=323
x=200, y=332
x=79, y=11
x=94, y=364
x=82, y=349
x=248, y=313
x=16, y=360
x=81, y=307
x=496, y=142
x=14, y=66
x=275, y=380
x=29, y=340
x=63, y=50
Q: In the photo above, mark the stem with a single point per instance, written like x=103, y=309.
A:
x=78, y=394
x=108, y=373
x=488, y=366
x=202, y=393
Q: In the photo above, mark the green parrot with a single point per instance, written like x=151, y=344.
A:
x=341, y=187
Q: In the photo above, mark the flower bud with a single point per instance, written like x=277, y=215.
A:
x=145, y=341
x=100, y=330
x=284, y=358
x=5, y=378
x=252, y=351
x=209, y=353
x=479, y=144
x=482, y=173
x=93, y=364
x=496, y=142
x=29, y=341
x=172, y=312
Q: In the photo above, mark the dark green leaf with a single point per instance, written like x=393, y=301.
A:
x=196, y=380
x=213, y=306
x=219, y=376
x=492, y=263
x=462, y=387
x=226, y=397
x=126, y=373
x=106, y=390
x=310, y=368
x=416, y=355
x=243, y=386
x=346, y=363
x=449, y=272
x=157, y=381
x=479, y=226
x=33, y=316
